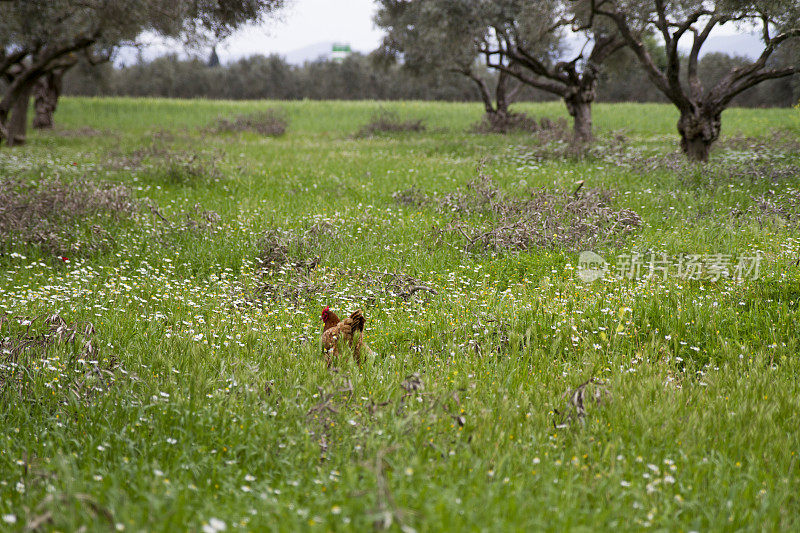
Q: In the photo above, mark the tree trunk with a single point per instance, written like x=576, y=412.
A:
x=699, y=128
x=45, y=97
x=486, y=96
x=579, y=100
x=501, y=94
x=579, y=106
x=17, y=125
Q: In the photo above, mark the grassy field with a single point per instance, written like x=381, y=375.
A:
x=161, y=367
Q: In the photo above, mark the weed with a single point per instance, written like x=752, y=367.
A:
x=544, y=129
x=51, y=214
x=32, y=346
x=269, y=123
x=592, y=391
x=573, y=220
x=385, y=121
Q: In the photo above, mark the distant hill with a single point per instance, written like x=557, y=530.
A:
x=743, y=44
x=312, y=52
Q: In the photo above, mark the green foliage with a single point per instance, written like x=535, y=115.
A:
x=260, y=77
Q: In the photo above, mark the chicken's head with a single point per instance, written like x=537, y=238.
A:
x=326, y=313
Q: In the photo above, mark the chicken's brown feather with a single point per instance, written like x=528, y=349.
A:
x=351, y=330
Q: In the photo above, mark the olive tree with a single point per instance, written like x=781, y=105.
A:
x=442, y=35
x=517, y=38
x=40, y=39
x=525, y=41
x=701, y=105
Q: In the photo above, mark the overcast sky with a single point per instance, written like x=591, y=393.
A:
x=306, y=22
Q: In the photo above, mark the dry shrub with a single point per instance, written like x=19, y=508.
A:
x=736, y=160
x=784, y=206
x=744, y=167
x=279, y=247
x=778, y=141
x=161, y=163
x=393, y=284
x=198, y=221
x=288, y=257
x=412, y=197
x=591, y=392
x=52, y=214
x=270, y=123
x=486, y=218
x=26, y=349
x=385, y=121
x=184, y=168
x=297, y=281
x=545, y=128
x=84, y=131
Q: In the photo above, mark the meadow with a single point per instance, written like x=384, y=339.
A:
x=160, y=366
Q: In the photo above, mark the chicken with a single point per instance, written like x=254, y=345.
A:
x=335, y=331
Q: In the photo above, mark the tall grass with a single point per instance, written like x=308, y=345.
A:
x=206, y=400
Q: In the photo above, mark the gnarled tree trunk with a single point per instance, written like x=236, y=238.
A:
x=15, y=121
x=500, y=109
x=581, y=113
x=501, y=94
x=699, y=128
x=45, y=98
x=578, y=99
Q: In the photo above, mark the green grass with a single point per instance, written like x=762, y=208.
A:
x=212, y=402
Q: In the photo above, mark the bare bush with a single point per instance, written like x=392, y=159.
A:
x=736, y=160
x=198, y=221
x=27, y=343
x=573, y=220
x=52, y=214
x=544, y=128
x=591, y=391
x=85, y=131
x=270, y=123
x=778, y=141
x=784, y=206
x=411, y=197
x=394, y=284
x=281, y=246
x=160, y=163
x=385, y=121
x=184, y=168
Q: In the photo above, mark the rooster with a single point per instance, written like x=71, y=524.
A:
x=335, y=331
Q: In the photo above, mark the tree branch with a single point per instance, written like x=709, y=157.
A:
x=695, y=86
x=42, y=63
x=7, y=62
x=637, y=46
x=559, y=89
x=741, y=76
x=486, y=96
x=754, y=80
